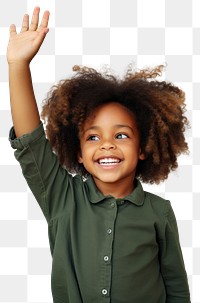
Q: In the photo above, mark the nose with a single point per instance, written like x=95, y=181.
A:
x=107, y=145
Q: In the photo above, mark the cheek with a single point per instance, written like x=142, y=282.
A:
x=132, y=151
x=87, y=153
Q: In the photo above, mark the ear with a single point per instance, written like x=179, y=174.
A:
x=142, y=156
x=79, y=156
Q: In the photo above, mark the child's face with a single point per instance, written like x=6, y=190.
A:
x=110, y=146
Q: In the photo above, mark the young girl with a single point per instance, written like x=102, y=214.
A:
x=110, y=240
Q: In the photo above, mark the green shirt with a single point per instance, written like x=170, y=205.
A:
x=103, y=249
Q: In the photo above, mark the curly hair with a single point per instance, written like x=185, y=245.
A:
x=158, y=107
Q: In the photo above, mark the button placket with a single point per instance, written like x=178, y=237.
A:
x=106, y=267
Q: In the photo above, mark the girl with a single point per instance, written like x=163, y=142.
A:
x=110, y=240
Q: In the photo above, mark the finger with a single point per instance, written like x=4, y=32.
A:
x=35, y=19
x=25, y=23
x=41, y=36
x=12, y=30
x=44, y=21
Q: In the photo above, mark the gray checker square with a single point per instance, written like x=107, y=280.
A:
x=178, y=13
x=179, y=68
x=64, y=65
x=13, y=233
x=181, y=180
x=68, y=13
x=123, y=13
x=34, y=211
x=43, y=267
x=96, y=41
x=196, y=151
x=11, y=12
x=151, y=41
x=196, y=96
x=185, y=232
x=12, y=179
x=13, y=288
x=120, y=63
x=196, y=263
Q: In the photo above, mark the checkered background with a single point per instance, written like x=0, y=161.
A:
x=93, y=33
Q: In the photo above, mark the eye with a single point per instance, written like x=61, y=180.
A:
x=122, y=136
x=93, y=138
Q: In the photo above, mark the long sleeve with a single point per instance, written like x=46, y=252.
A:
x=171, y=261
x=46, y=178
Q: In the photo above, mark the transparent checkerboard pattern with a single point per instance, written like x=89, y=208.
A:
x=98, y=33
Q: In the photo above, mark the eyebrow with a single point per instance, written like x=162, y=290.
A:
x=96, y=127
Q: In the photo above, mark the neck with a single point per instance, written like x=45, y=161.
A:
x=120, y=190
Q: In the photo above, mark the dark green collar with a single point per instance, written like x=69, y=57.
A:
x=95, y=196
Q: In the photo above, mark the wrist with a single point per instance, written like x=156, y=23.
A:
x=21, y=64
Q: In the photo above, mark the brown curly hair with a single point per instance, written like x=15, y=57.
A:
x=158, y=107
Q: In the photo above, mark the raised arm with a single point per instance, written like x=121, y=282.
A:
x=22, y=48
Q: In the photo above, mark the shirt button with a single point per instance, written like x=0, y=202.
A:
x=112, y=205
x=104, y=292
x=106, y=258
x=109, y=231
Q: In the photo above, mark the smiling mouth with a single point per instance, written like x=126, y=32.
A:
x=108, y=161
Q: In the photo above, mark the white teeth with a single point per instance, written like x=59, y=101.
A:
x=108, y=161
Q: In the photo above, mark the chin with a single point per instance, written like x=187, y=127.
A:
x=108, y=179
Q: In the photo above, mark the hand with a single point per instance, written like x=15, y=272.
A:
x=24, y=46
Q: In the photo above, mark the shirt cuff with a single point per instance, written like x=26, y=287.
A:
x=25, y=140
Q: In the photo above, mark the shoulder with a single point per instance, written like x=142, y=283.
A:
x=161, y=212
x=158, y=204
x=155, y=198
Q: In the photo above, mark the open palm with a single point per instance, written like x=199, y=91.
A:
x=23, y=46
